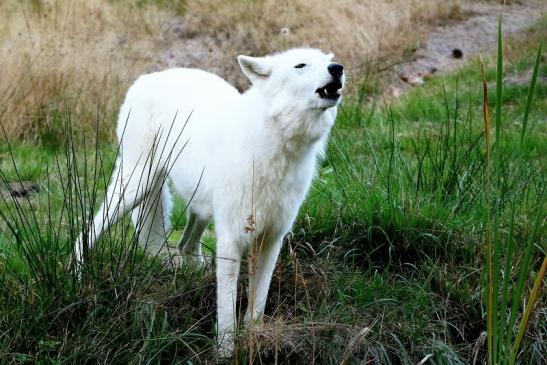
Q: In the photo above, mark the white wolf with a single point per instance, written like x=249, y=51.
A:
x=244, y=161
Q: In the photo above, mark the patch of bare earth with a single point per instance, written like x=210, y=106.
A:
x=210, y=38
x=451, y=45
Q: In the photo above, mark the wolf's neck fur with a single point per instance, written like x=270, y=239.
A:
x=291, y=132
x=284, y=145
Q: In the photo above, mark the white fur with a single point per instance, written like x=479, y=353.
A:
x=253, y=154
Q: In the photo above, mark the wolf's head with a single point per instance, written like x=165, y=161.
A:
x=303, y=78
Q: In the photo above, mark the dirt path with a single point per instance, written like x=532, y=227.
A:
x=450, y=46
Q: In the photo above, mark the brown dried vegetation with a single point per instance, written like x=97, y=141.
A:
x=80, y=56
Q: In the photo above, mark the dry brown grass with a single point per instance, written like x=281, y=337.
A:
x=356, y=31
x=353, y=29
x=65, y=56
x=81, y=55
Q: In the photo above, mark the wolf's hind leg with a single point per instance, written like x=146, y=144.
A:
x=123, y=194
x=189, y=245
x=151, y=218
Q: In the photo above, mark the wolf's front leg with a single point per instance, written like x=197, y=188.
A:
x=261, y=268
x=228, y=263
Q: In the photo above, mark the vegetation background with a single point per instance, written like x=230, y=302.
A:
x=420, y=241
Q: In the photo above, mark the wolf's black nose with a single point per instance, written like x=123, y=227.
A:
x=336, y=69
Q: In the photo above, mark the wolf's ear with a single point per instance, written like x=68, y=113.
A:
x=255, y=68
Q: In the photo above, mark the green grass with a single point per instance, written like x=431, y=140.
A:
x=387, y=262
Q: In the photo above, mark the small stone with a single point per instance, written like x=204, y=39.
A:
x=413, y=80
x=416, y=80
x=285, y=31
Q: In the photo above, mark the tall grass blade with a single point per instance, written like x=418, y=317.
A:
x=494, y=244
x=486, y=116
x=509, y=254
x=528, y=310
x=494, y=261
x=490, y=296
x=499, y=87
x=525, y=266
x=531, y=92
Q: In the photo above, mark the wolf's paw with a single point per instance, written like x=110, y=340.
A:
x=225, y=346
x=256, y=319
x=193, y=260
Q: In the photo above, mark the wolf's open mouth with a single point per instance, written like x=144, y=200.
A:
x=330, y=90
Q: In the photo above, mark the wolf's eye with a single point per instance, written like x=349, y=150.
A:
x=300, y=65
